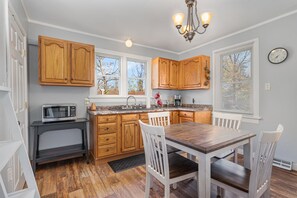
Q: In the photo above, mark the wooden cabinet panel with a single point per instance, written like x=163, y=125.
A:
x=107, y=139
x=107, y=128
x=175, y=119
x=164, y=69
x=53, y=61
x=65, y=63
x=187, y=114
x=143, y=116
x=203, y=117
x=130, y=117
x=107, y=150
x=107, y=118
x=185, y=119
x=191, y=71
x=82, y=64
x=129, y=136
x=173, y=75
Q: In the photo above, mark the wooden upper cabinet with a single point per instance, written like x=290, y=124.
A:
x=53, y=61
x=173, y=75
x=65, y=63
x=195, y=73
x=192, y=73
x=82, y=64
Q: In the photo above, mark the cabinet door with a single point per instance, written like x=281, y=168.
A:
x=173, y=76
x=184, y=119
x=53, y=61
x=191, y=73
x=164, y=69
x=82, y=64
x=175, y=117
x=129, y=136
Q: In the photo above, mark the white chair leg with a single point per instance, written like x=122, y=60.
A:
x=166, y=191
x=174, y=186
x=148, y=185
x=267, y=193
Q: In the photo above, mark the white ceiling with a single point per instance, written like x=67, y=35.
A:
x=149, y=22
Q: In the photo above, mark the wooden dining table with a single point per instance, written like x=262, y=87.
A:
x=205, y=142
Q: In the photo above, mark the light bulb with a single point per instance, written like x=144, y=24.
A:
x=128, y=43
x=205, y=19
x=178, y=19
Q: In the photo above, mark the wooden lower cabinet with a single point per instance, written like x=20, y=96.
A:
x=118, y=136
x=130, y=136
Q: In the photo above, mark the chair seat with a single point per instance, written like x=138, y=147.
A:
x=231, y=174
x=179, y=165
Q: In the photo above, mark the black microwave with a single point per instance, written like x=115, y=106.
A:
x=58, y=112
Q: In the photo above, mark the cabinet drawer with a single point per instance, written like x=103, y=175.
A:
x=130, y=117
x=107, y=139
x=107, y=128
x=186, y=114
x=105, y=119
x=184, y=119
x=143, y=116
x=106, y=150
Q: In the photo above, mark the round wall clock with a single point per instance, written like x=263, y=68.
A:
x=278, y=55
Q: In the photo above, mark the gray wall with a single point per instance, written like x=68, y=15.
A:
x=279, y=104
x=39, y=95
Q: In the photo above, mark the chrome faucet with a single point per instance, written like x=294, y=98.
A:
x=127, y=102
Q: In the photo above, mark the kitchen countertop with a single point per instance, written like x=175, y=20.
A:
x=111, y=110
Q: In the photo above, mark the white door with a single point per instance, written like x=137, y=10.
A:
x=18, y=84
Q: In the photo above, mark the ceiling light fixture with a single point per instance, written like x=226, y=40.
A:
x=128, y=43
x=190, y=29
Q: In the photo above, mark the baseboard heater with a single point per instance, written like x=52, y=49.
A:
x=282, y=164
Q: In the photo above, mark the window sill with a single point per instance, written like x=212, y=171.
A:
x=114, y=100
x=251, y=119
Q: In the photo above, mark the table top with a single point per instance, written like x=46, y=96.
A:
x=203, y=137
x=40, y=123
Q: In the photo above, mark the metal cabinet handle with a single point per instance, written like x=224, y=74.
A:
x=107, y=150
x=107, y=129
x=107, y=139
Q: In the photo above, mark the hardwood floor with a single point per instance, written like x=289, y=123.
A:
x=77, y=179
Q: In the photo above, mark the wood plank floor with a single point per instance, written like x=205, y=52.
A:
x=77, y=179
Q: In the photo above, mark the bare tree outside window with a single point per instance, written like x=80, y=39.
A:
x=136, y=77
x=236, y=81
x=108, y=75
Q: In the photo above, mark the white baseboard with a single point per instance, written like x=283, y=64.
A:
x=294, y=167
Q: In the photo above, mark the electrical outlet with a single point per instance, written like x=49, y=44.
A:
x=267, y=86
x=87, y=101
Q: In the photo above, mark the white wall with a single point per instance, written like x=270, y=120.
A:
x=279, y=104
x=3, y=19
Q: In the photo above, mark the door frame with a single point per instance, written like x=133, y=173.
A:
x=13, y=15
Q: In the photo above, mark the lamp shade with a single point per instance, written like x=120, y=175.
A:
x=178, y=19
x=206, y=18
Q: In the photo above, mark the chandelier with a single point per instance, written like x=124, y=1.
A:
x=189, y=30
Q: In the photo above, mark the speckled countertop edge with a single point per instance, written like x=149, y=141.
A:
x=106, y=111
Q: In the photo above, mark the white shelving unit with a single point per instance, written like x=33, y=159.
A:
x=14, y=146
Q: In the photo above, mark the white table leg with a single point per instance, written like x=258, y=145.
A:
x=248, y=155
x=204, y=182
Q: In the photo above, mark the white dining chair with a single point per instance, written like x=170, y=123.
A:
x=167, y=168
x=244, y=182
x=229, y=121
x=161, y=119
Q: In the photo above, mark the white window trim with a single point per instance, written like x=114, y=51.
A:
x=123, y=78
x=255, y=73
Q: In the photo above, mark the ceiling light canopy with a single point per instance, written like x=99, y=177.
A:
x=128, y=43
x=193, y=22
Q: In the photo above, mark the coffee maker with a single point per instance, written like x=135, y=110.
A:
x=177, y=100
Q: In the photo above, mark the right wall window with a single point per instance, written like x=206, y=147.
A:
x=236, y=79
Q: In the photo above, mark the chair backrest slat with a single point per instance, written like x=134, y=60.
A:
x=226, y=120
x=159, y=119
x=155, y=150
x=262, y=166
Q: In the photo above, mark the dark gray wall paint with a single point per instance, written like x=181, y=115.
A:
x=279, y=104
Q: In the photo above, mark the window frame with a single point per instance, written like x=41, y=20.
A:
x=145, y=73
x=123, y=88
x=254, y=117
